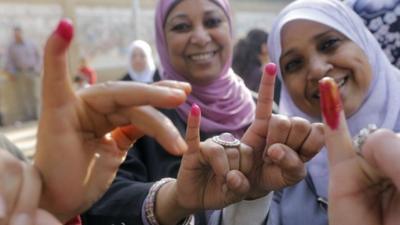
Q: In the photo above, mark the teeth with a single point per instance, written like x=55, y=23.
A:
x=341, y=82
x=202, y=57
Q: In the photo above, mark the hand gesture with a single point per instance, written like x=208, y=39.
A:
x=280, y=145
x=207, y=178
x=83, y=137
x=364, y=184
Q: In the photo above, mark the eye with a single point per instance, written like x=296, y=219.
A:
x=212, y=22
x=293, y=65
x=181, y=27
x=329, y=44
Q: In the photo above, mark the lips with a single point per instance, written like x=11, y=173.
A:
x=201, y=57
x=340, y=81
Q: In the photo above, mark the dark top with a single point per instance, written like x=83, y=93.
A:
x=146, y=163
x=156, y=77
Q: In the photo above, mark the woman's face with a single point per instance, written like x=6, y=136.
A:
x=198, y=38
x=311, y=51
x=138, y=60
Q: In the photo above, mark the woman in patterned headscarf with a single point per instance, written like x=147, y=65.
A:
x=338, y=45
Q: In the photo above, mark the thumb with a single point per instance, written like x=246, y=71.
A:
x=381, y=150
x=45, y=218
x=56, y=85
x=337, y=137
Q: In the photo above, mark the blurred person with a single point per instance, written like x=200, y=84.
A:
x=338, y=45
x=80, y=82
x=23, y=64
x=382, y=18
x=85, y=71
x=250, y=55
x=141, y=65
x=194, y=41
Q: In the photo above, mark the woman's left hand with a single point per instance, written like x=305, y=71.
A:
x=364, y=186
x=280, y=145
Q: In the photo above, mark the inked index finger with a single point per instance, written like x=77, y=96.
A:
x=265, y=100
x=193, y=129
x=337, y=137
x=56, y=81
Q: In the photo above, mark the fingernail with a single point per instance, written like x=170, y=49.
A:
x=3, y=208
x=195, y=111
x=20, y=219
x=236, y=182
x=279, y=154
x=331, y=104
x=270, y=69
x=65, y=29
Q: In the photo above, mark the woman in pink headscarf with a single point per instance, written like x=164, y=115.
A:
x=194, y=42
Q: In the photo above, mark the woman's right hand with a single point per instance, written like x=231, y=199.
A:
x=84, y=137
x=207, y=178
x=364, y=185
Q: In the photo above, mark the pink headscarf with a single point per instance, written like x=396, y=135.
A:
x=226, y=103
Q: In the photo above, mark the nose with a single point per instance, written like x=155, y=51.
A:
x=200, y=36
x=318, y=68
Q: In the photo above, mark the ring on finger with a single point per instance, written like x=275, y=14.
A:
x=227, y=140
x=361, y=137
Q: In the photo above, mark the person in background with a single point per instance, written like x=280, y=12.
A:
x=24, y=64
x=86, y=72
x=382, y=18
x=250, y=55
x=141, y=67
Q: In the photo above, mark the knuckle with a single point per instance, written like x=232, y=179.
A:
x=232, y=153
x=300, y=125
x=280, y=122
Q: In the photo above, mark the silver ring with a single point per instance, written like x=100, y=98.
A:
x=361, y=137
x=227, y=140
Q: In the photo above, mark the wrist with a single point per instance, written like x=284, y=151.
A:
x=168, y=210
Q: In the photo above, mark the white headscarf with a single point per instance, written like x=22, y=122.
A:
x=381, y=104
x=145, y=76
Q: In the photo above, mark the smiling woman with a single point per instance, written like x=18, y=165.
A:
x=336, y=44
x=194, y=43
x=321, y=52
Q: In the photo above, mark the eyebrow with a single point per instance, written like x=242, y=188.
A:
x=184, y=16
x=315, y=38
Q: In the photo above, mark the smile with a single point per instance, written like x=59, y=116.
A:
x=341, y=82
x=202, y=56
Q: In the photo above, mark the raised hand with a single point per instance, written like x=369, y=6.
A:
x=364, y=187
x=83, y=138
x=280, y=145
x=207, y=178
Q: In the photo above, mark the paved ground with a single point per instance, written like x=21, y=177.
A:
x=23, y=135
